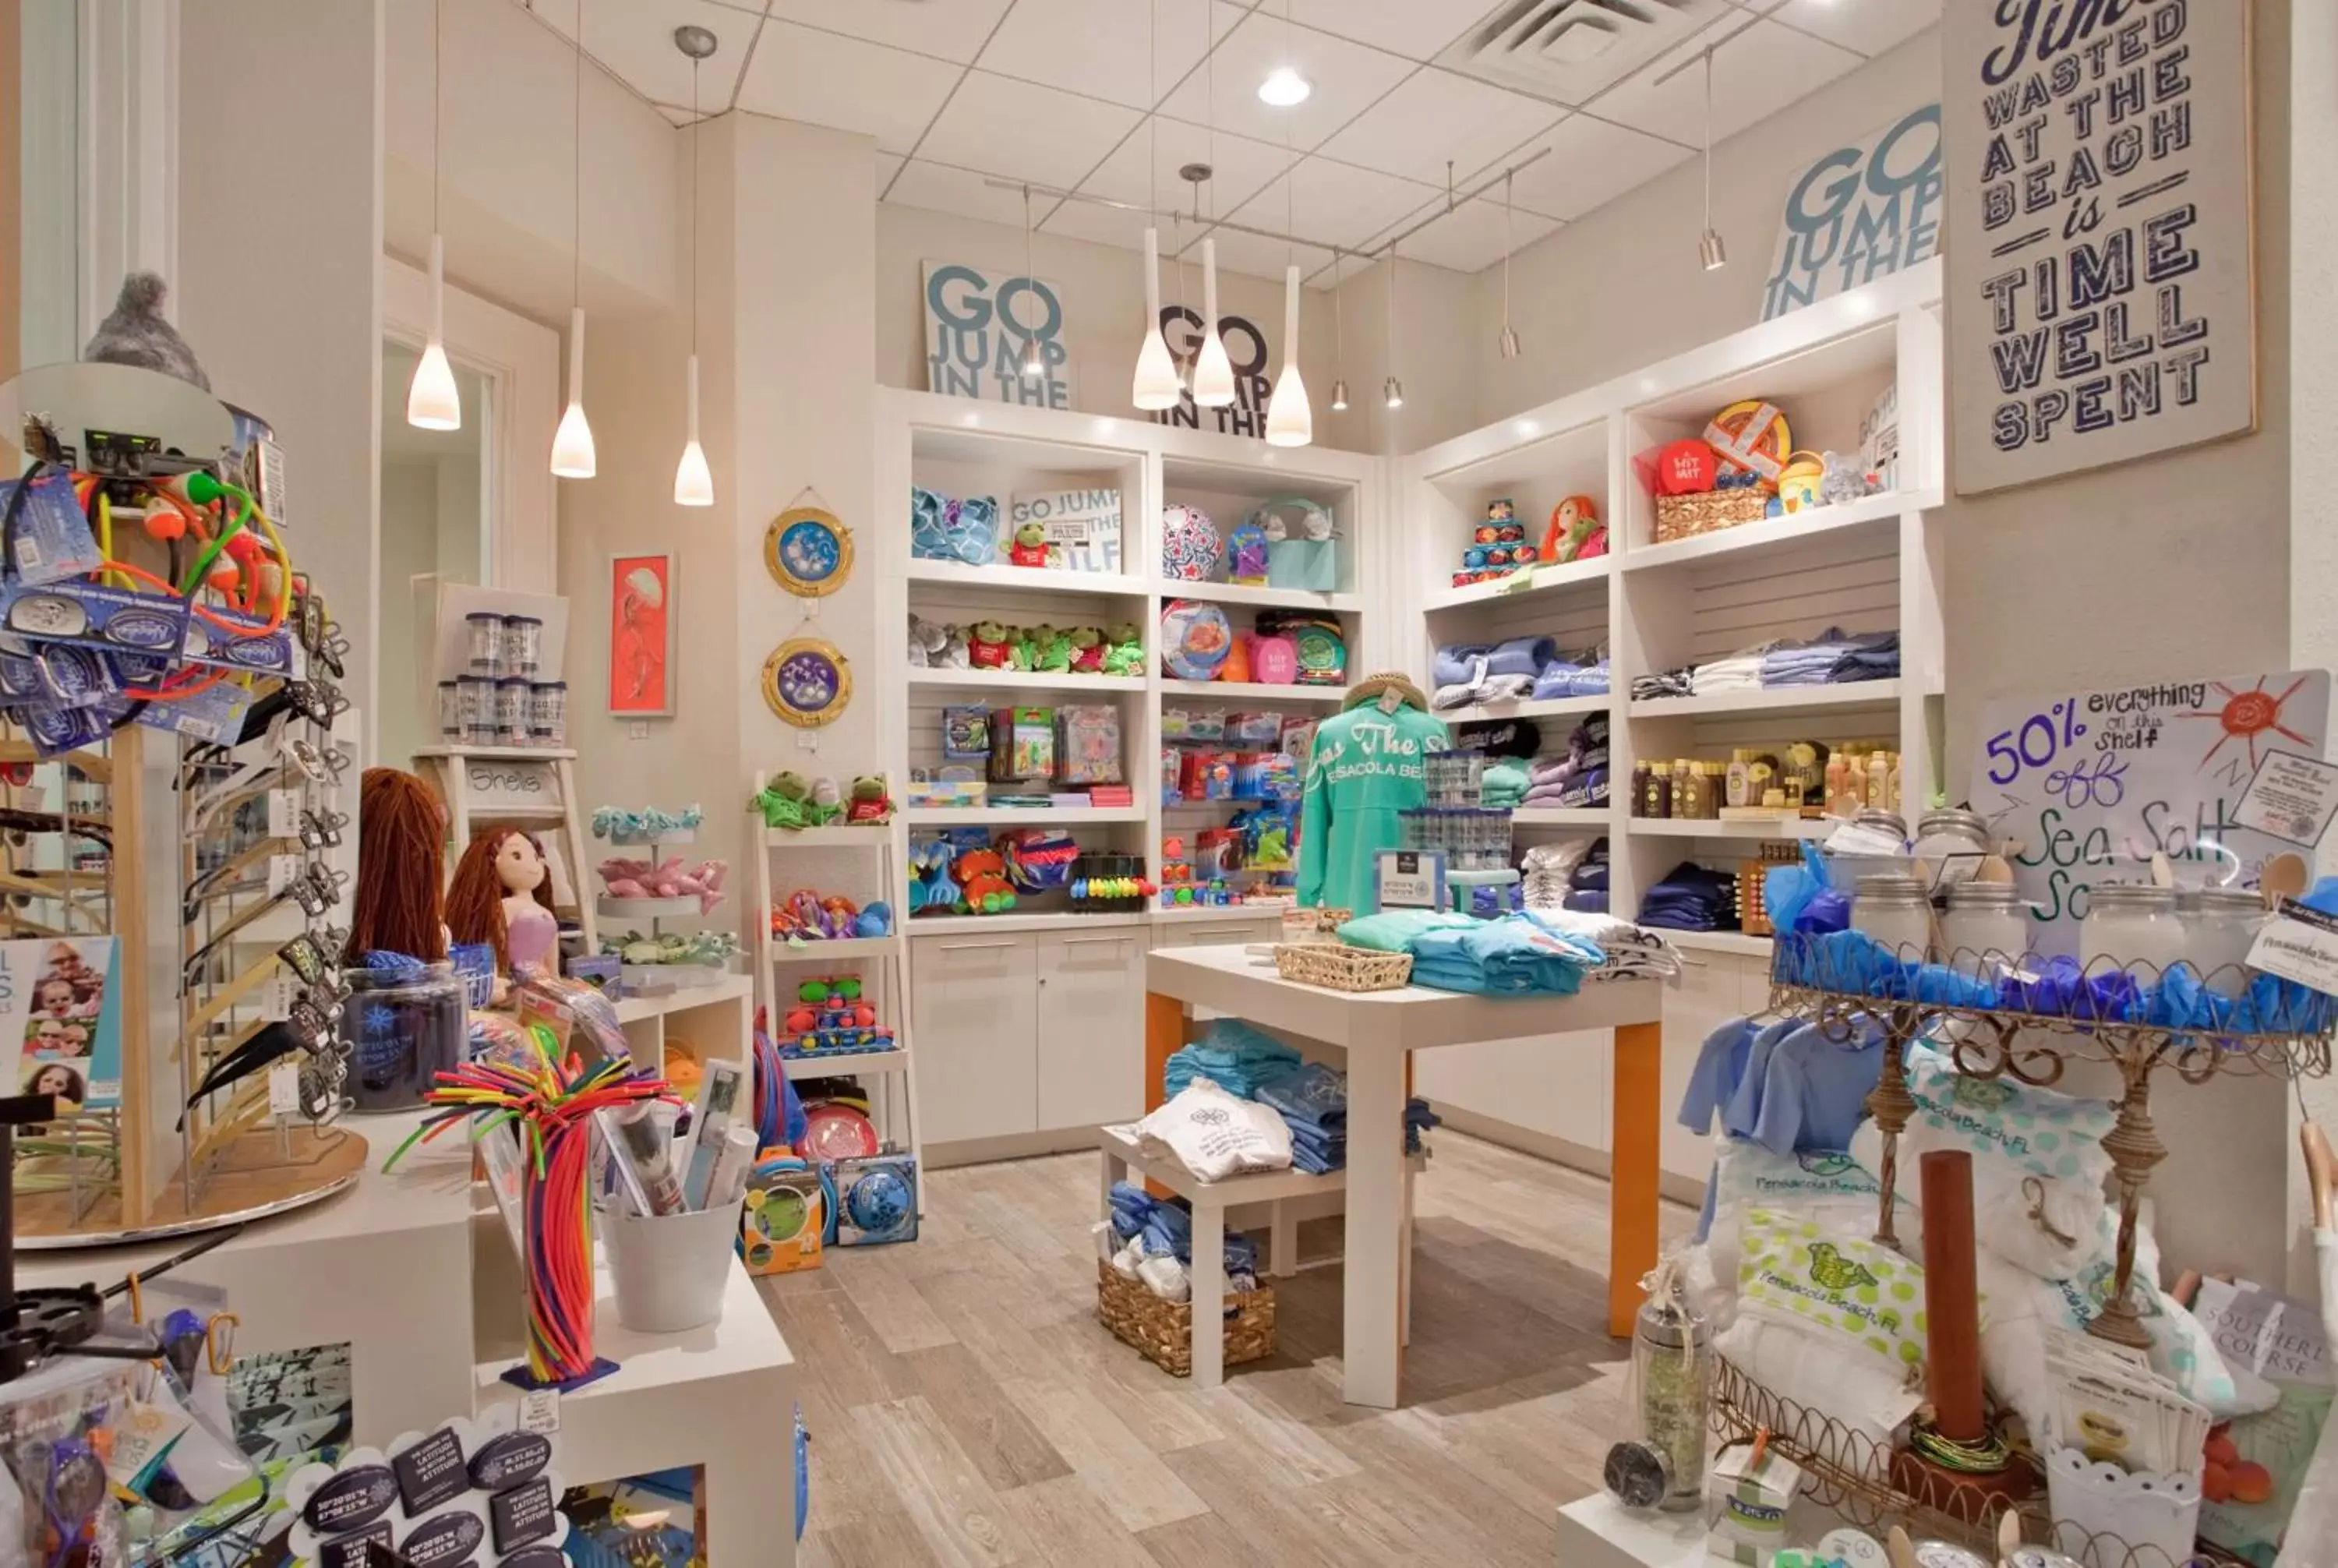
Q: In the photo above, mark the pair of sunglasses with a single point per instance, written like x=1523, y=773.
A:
x=317, y=700
x=316, y=890
x=322, y=829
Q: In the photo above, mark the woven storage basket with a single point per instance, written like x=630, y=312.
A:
x=1341, y=968
x=1164, y=1330
x=1685, y=516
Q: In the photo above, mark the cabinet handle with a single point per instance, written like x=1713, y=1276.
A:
x=969, y=946
x=1077, y=941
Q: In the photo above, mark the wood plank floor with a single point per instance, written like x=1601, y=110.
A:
x=967, y=1410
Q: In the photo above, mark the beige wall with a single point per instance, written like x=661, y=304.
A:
x=11, y=153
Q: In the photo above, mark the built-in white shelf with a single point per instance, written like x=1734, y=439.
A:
x=1034, y=579
x=1204, y=913
x=1748, y=541
x=1019, y=816
x=870, y=837
x=1529, y=708
x=1603, y=817
x=1773, y=700
x=1025, y=681
x=1265, y=598
x=1011, y=924
x=1779, y=827
x=1522, y=584
x=1732, y=942
x=1253, y=691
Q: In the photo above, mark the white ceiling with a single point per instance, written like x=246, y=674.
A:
x=1066, y=93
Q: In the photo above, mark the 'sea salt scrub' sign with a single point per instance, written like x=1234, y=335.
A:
x=2100, y=286
x=2090, y=785
x=981, y=325
x=1858, y=214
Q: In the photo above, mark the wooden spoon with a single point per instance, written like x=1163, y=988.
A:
x=2322, y=1174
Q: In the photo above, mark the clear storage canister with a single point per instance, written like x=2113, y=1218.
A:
x=523, y=645
x=1952, y=844
x=548, y=712
x=1984, y=918
x=404, y=1029
x=476, y=699
x=514, y=708
x=2220, y=925
x=1671, y=1371
x=1895, y=912
x=450, y=711
x=2130, y=926
x=483, y=633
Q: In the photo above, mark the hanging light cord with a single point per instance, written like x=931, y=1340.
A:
x=1507, y=247
x=1339, y=323
x=577, y=183
x=1030, y=287
x=1708, y=138
x=438, y=74
x=694, y=204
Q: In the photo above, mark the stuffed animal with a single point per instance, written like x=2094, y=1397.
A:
x=1051, y=650
x=630, y=878
x=929, y=641
x=827, y=804
x=932, y=885
x=135, y=333
x=990, y=649
x=1575, y=533
x=871, y=803
x=782, y=801
x=1123, y=652
x=1087, y=650
x=954, y=654
x=1844, y=481
x=982, y=885
x=876, y=919
x=1031, y=546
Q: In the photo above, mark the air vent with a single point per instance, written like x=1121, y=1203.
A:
x=1571, y=51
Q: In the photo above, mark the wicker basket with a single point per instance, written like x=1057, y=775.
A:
x=1341, y=968
x=1164, y=1330
x=1709, y=512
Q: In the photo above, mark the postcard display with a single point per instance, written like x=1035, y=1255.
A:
x=168, y=765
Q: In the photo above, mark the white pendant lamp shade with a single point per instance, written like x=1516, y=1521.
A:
x=432, y=403
x=1214, y=373
x=1290, y=421
x=572, y=444
x=693, y=482
x=1156, y=385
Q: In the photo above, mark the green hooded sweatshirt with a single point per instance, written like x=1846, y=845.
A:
x=1365, y=768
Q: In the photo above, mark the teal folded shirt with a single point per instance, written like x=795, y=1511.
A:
x=1508, y=957
x=1393, y=930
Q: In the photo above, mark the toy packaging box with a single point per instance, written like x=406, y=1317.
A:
x=1022, y=744
x=1088, y=745
x=784, y=1220
x=874, y=1199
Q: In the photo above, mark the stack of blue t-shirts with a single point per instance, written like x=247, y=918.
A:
x=1313, y=1102
x=1167, y=1229
x=1692, y=898
x=1234, y=1056
x=1832, y=658
x=1587, y=885
x=1507, y=957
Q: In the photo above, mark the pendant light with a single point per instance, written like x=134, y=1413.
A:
x=1035, y=362
x=1392, y=392
x=1338, y=338
x=573, y=457
x=1290, y=421
x=432, y=401
x=1510, y=339
x=693, y=482
x=1214, y=372
x=1156, y=384
x=1709, y=247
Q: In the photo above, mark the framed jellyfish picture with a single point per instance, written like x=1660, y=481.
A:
x=807, y=681
x=640, y=636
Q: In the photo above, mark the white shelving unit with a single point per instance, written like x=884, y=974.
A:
x=1868, y=566
x=881, y=962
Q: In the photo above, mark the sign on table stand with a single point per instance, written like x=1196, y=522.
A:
x=2101, y=298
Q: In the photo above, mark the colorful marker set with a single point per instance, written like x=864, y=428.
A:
x=549, y=1104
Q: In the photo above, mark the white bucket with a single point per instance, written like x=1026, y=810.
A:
x=669, y=1269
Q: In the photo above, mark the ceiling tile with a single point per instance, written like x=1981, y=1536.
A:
x=634, y=39
x=1251, y=254
x=1097, y=46
x=888, y=165
x=1104, y=225
x=959, y=190
x=1242, y=168
x=801, y=74
x=1870, y=26
x=1471, y=237
x=1335, y=202
x=1572, y=53
x=1416, y=29
x=1345, y=267
x=1590, y=163
x=1025, y=132
x=1759, y=70
x=951, y=30
x=1433, y=117
x=1347, y=79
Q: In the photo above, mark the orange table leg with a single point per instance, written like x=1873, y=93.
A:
x=1633, y=1181
x=1164, y=1033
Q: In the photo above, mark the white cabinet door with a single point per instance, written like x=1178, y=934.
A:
x=1091, y=1028
x=976, y=1027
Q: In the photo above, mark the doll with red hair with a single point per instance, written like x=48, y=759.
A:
x=502, y=896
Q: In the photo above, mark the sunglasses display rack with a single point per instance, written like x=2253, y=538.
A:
x=178, y=755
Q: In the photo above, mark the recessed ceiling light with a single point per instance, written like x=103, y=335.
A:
x=1285, y=88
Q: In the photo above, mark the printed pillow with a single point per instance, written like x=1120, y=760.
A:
x=2043, y=1130
x=1863, y=1300
x=1824, y=1185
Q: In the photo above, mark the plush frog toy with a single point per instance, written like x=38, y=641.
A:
x=1124, y=652
x=990, y=649
x=1051, y=650
x=1031, y=546
x=1086, y=650
x=871, y=801
x=782, y=802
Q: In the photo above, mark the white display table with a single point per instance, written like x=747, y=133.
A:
x=385, y=1266
x=721, y=1396
x=1378, y=1031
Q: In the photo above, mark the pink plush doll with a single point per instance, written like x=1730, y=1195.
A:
x=630, y=878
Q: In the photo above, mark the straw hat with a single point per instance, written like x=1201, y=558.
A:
x=1370, y=688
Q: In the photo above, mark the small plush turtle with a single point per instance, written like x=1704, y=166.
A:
x=1830, y=1269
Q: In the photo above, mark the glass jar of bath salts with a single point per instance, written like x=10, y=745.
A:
x=2130, y=926
x=1952, y=844
x=2220, y=927
x=1894, y=911
x=1985, y=925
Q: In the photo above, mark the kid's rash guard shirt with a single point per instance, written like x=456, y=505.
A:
x=1364, y=769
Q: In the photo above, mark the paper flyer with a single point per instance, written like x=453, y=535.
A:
x=61, y=1015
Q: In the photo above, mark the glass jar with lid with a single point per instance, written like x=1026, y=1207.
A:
x=1952, y=844
x=1883, y=821
x=1894, y=911
x=2130, y=926
x=1985, y=927
x=2220, y=925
